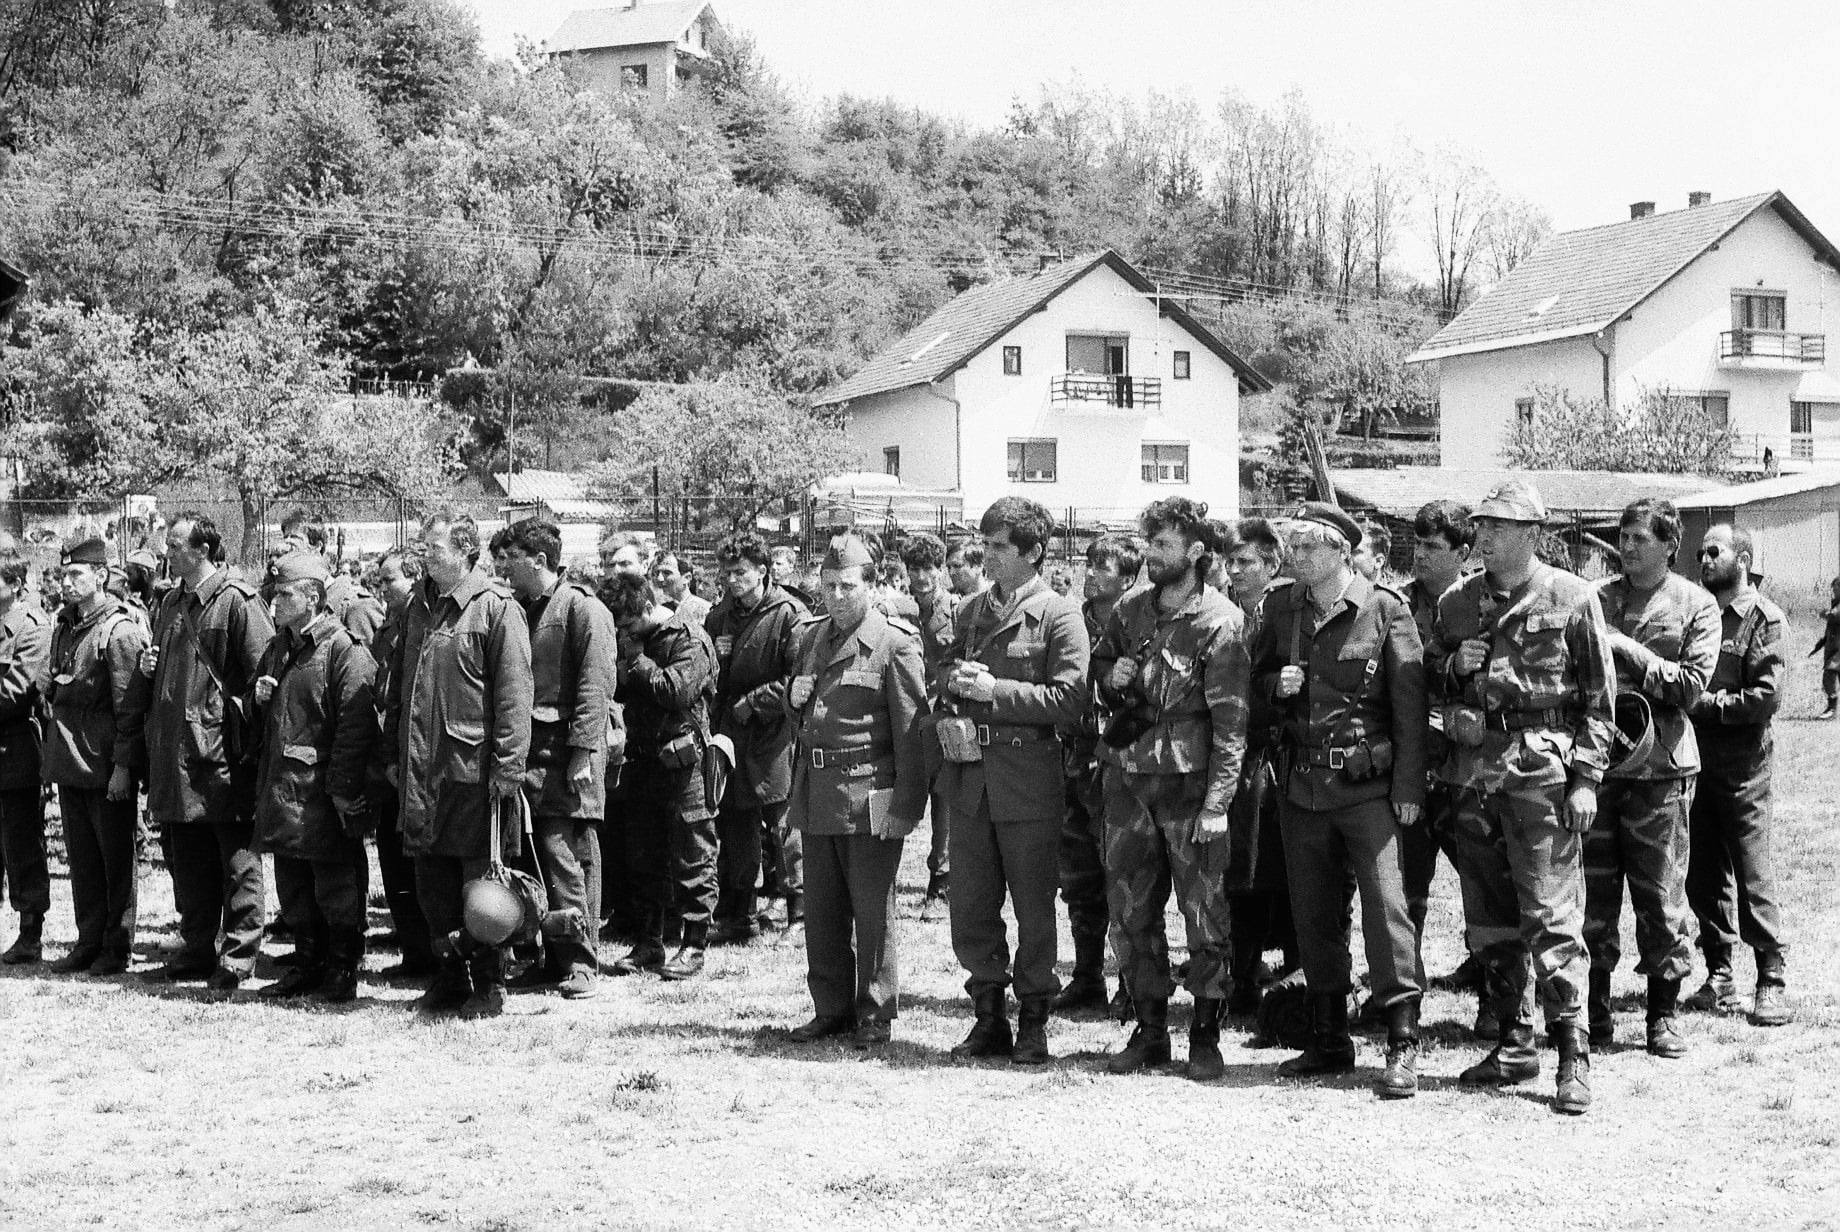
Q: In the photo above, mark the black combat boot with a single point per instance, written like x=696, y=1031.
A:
x=344, y=955
x=1513, y=1059
x=990, y=1036
x=29, y=946
x=687, y=963
x=1086, y=990
x=1031, y=1046
x=1664, y=1037
x=1771, y=1008
x=296, y=981
x=1719, y=994
x=452, y=985
x=1603, y=1025
x=488, y=969
x=1243, y=992
x=1149, y=1042
x=1205, y=1064
x=1400, y=1078
x=83, y=958
x=1331, y=1049
x=1572, y=1095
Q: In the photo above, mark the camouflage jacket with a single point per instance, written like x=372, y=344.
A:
x=1746, y=685
x=1675, y=629
x=1364, y=687
x=1192, y=675
x=1548, y=651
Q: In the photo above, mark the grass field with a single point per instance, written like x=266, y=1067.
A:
x=125, y=1104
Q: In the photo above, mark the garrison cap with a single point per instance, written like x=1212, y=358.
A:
x=1512, y=500
x=847, y=552
x=299, y=567
x=1324, y=514
x=143, y=558
x=91, y=551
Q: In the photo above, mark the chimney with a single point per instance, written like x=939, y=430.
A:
x=1642, y=209
x=1696, y=199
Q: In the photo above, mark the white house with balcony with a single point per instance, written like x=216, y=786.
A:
x=1077, y=386
x=1721, y=303
x=636, y=46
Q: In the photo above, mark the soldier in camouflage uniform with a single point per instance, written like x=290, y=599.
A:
x=1112, y=566
x=1664, y=637
x=1172, y=664
x=1521, y=658
x=1339, y=660
x=1731, y=880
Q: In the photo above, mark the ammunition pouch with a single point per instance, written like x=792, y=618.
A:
x=1465, y=726
x=958, y=739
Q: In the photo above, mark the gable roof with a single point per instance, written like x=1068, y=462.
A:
x=664, y=21
x=1580, y=282
x=962, y=328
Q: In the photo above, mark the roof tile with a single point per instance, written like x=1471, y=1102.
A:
x=658, y=21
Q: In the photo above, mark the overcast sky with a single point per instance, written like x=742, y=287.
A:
x=1581, y=107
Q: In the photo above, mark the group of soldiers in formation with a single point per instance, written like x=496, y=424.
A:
x=1240, y=712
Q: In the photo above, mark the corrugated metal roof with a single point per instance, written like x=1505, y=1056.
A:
x=1402, y=491
x=536, y=485
x=589, y=29
x=1579, y=282
x=1735, y=495
x=962, y=328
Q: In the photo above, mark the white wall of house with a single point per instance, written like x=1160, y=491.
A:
x=1098, y=448
x=1673, y=338
x=1477, y=393
x=599, y=69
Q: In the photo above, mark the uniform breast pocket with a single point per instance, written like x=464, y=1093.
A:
x=461, y=650
x=1542, y=643
x=1662, y=636
x=1023, y=659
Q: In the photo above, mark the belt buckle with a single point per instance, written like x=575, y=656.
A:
x=983, y=735
x=1337, y=758
x=817, y=759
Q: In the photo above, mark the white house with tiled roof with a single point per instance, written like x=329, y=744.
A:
x=1723, y=302
x=1076, y=386
x=637, y=45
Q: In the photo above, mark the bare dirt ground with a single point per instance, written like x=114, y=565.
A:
x=126, y=1104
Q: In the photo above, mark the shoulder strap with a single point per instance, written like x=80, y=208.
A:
x=198, y=650
x=1747, y=628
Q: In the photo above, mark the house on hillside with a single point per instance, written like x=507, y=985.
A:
x=1077, y=386
x=636, y=45
x=1724, y=303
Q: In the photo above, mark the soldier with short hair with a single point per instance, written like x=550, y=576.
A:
x=1014, y=675
x=1731, y=877
x=1521, y=660
x=399, y=576
x=25, y=639
x=94, y=746
x=674, y=579
x=318, y=718
x=925, y=558
x=965, y=567
x=1113, y=563
x=1172, y=667
x=208, y=636
x=354, y=607
x=1664, y=637
x=858, y=785
x=1339, y=659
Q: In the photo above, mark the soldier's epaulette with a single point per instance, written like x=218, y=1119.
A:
x=903, y=624
x=577, y=584
x=242, y=588
x=1396, y=592
x=499, y=588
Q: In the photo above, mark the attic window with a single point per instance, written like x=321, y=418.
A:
x=923, y=350
x=1543, y=307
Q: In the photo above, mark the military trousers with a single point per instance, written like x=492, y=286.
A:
x=991, y=861
x=1523, y=899
x=568, y=850
x=782, y=855
x=1322, y=848
x=670, y=849
x=1639, y=837
x=1731, y=876
x=218, y=888
x=100, y=836
x=1261, y=916
x=1149, y=821
x=852, y=963
x=741, y=831
x=939, y=835
x=1419, y=848
x=440, y=883
x=1081, y=858
x=397, y=870
x=22, y=850
x=324, y=903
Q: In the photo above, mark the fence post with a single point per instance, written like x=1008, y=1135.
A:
x=121, y=535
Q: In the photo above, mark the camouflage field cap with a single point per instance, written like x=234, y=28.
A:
x=1512, y=500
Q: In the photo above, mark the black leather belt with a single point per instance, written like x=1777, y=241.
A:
x=1522, y=720
x=1330, y=757
x=840, y=759
x=1012, y=734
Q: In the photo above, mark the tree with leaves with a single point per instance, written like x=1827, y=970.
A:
x=1663, y=431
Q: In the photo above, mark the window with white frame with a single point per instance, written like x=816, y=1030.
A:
x=1033, y=460
x=1165, y=462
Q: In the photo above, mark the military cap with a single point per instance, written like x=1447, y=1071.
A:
x=1512, y=500
x=143, y=558
x=1322, y=513
x=91, y=551
x=847, y=552
x=299, y=567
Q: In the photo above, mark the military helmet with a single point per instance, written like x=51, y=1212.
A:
x=502, y=907
x=1635, y=732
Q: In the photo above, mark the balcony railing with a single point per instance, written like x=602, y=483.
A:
x=1737, y=346
x=1077, y=388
